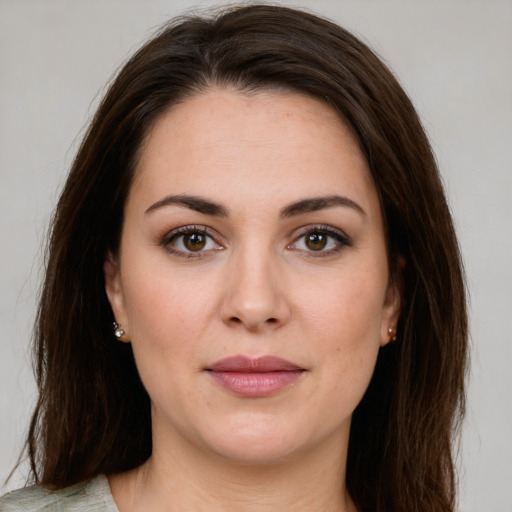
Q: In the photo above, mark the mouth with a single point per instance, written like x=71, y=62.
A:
x=254, y=377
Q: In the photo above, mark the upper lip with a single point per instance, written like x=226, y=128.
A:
x=244, y=364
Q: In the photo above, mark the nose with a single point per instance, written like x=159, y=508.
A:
x=254, y=295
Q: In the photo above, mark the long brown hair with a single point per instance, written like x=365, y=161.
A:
x=93, y=414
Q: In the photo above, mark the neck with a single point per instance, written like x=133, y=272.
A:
x=185, y=478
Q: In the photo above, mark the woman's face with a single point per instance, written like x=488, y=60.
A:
x=252, y=278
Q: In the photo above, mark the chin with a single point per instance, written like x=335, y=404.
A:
x=250, y=442
x=259, y=452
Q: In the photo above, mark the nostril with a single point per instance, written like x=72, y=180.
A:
x=237, y=320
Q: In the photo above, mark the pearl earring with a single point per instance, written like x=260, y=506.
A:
x=392, y=333
x=119, y=332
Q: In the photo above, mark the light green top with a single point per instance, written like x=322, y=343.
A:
x=91, y=496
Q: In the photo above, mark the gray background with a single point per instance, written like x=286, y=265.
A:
x=454, y=57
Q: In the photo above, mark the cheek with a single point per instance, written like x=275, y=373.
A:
x=168, y=313
x=345, y=320
x=165, y=298
x=348, y=308
x=167, y=316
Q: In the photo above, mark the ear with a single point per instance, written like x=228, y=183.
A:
x=114, y=290
x=392, y=304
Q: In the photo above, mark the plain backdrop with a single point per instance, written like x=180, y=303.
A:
x=454, y=57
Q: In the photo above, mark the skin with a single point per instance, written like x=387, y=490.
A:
x=256, y=288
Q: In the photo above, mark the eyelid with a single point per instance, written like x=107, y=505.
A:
x=187, y=229
x=324, y=228
x=343, y=240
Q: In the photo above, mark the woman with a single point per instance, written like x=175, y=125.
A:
x=254, y=297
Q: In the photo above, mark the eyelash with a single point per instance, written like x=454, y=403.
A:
x=188, y=230
x=340, y=238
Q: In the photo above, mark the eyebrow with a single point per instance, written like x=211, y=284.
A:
x=195, y=203
x=320, y=203
x=207, y=207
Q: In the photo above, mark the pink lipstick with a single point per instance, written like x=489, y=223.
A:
x=254, y=377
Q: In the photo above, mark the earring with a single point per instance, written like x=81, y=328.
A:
x=392, y=333
x=119, y=332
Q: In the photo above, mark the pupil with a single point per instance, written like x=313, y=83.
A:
x=316, y=241
x=194, y=241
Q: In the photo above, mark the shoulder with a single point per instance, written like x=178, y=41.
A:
x=93, y=495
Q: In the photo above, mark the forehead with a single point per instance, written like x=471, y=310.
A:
x=269, y=144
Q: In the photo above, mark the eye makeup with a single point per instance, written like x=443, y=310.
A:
x=320, y=241
x=192, y=241
x=199, y=241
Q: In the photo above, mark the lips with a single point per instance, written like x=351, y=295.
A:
x=254, y=377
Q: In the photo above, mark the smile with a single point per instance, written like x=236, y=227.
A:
x=254, y=378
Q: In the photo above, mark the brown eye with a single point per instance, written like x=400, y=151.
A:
x=190, y=241
x=316, y=241
x=194, y=241
x=321, y=241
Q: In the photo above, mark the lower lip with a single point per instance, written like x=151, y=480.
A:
x=255, y=384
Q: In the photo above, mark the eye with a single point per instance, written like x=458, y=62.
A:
x=316, y=241
x=190, y=241
x=322, y=240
